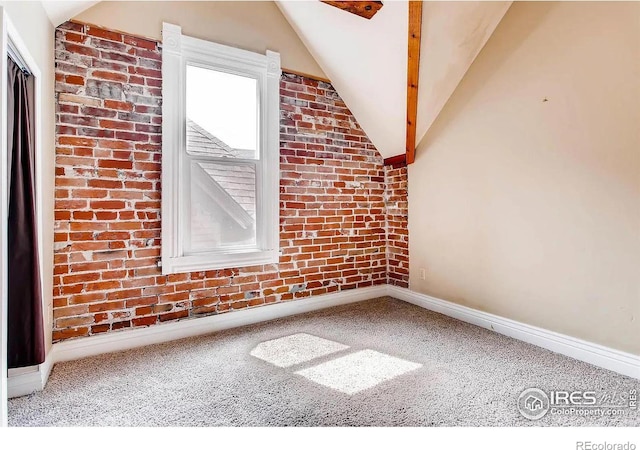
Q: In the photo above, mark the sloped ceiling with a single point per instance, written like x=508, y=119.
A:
x=61, y=11
x=453, y=33
x=366, y=60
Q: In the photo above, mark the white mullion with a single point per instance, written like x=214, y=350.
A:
x=176, y=206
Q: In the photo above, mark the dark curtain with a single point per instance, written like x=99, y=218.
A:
x=25, y=346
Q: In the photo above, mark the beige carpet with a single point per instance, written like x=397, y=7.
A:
x=382, y=362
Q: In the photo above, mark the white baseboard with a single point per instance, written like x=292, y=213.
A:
x=607, y=358
x=124, y=340
x=597, y=355
x=25, y=381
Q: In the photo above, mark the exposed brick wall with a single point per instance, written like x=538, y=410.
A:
x=333, y=224
x=397, y=210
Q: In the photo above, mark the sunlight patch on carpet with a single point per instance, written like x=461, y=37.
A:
x=295, y=349
x=358, y=371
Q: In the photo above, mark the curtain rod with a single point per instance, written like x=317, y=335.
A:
x=13, y=53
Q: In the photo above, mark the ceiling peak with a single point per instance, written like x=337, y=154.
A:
x=359, y=8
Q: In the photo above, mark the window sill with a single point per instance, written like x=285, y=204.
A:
x=209, y=261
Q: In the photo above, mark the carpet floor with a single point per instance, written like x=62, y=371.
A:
x=381, y=362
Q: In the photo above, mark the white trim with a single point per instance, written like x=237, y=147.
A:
x=31, y=380
x=595, y=354
x=124, y=340
x=35, y=380
x=4, y=208
x=15, y=55
x=25, y=58
x=178, y=52
x=9, y=37
x=21, y=371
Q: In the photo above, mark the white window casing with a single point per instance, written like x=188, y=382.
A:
x=179, y=51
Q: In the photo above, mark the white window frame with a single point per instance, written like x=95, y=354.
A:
x=178, y=51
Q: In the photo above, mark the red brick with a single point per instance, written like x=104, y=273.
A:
x=145, y=72
x=70, y=311
x=107, y=184
x=75, y=37
x=103, y=328
x=335, y=225
x=101, y=317
x=106, y=215
x=107, y=204
x=174, y=315
x=120, y=325
x=116, y=125
x=76, y=141
x=144, y=321
x=115, y=104
x=74, y=79
x=115, y=164
x=70, y=333
x=81, y=50
x=140, y=42
x=124, y=294
x=106, y=306
x=111, y=76
x=104, y=34
x=74, y=321
x=127, y=136
x=88, y=266
x=80, y=278
x=86, y=298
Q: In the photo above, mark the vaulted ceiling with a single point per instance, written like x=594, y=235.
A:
x=366, y=59
x=61, y=11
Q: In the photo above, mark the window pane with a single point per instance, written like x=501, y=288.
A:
x=223, y=206
x=222, y=114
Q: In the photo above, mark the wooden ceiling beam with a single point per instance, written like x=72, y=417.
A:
x=396, y=161
x=363, y=8
x=413, y=72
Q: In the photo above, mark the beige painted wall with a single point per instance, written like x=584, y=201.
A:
x=530, y=209
x=37, y=33
x=255, y=26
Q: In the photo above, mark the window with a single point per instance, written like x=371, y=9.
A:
x=220, y=154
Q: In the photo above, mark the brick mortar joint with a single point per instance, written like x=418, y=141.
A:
x=360, y=157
